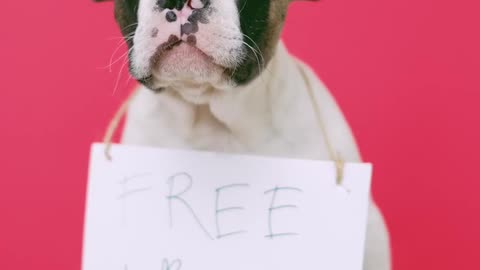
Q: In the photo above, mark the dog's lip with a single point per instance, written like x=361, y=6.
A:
x=167, y=47
x=210, y=58
x=162, y=48
x=173, y=42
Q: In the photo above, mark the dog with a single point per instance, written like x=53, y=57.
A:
x=215, y=76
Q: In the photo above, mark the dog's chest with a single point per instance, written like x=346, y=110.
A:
x=167, y=121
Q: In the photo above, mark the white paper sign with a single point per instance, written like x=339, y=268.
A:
x=156, y=209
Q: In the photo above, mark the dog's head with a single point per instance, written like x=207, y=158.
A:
x=199, y=42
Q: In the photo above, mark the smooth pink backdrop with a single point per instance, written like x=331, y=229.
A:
x=406, y=74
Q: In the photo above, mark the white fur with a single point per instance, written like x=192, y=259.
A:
x=270, y=116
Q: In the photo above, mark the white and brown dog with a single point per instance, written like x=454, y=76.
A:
x=215, y=77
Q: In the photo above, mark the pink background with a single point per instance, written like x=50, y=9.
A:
x=406, y=74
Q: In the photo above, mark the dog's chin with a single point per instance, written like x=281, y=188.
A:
x=185, y=66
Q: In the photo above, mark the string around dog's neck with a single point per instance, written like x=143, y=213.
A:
x=334, y=155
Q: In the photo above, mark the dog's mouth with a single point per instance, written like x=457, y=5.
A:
x=173, y=42
x=180, y=60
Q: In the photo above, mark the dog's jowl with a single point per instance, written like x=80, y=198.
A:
x=222, y=81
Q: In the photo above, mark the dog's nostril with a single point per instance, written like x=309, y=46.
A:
x=171, y=16
x=189, y=28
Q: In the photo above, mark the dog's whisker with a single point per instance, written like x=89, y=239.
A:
x=256, y=56
x=244, y=5
x=257, y=47
x=265, y=67
x=130, y=25
x=233, y=72
x=129, y=78
x=111, y=62
x=119, y=38
x=117, y=48
x=126, y=59
x=122, y=57
x=117, y=82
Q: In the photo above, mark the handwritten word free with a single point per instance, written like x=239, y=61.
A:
x=176, y=188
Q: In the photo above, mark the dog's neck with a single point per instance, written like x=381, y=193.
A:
x=251, y=107
x=273, y=115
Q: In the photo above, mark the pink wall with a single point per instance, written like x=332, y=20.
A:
x=405, y=72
